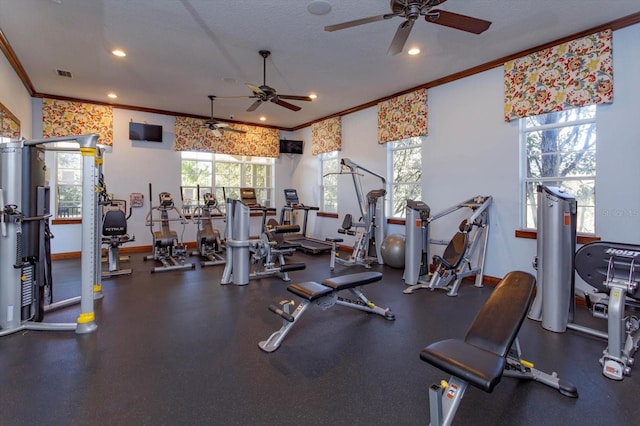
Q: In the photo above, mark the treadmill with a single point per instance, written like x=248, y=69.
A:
x=307, y=244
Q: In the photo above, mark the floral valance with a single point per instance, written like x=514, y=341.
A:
x=192, y=134
x=326, y=136
x=67, y=118
x=403, y=117
x=572, y=74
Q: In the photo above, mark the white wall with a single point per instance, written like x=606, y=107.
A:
x=470, y=151
x=15, y=96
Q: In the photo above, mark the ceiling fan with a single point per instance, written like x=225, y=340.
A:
x=266, y=93
x=218, y=127
x=412, y=10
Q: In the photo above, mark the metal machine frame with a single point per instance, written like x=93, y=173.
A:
x=418, y=220
x=22, y=221
x=370, y=232
x=168, y=249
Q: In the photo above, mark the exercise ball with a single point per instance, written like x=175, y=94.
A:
x=392, y=250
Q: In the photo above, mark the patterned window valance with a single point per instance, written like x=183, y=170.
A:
x=572, y=74
x=326, y=136
x=191, y=134
x=66, y=118
x=403, y=117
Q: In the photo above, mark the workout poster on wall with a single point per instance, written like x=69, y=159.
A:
x=136, y=199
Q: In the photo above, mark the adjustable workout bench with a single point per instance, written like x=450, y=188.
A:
x=486, y=354
x=324, y=295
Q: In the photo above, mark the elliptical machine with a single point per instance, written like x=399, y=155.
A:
x=168, y=249
x=210, y=247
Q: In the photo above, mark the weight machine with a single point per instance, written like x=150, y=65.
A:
x=371, y=229
x=263, y=252
x=609, y=269
x=25, y=258
x=208, y=238
x=168, y=249
x=464, y=255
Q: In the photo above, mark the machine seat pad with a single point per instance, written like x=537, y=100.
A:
x=482, y=369
x=114, y=223
x=309, y=290
x=352, y=280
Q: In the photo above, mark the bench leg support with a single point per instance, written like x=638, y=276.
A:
x=365, y=304
x=444, y=400
x=276, y=338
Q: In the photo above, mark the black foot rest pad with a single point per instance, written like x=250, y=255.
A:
x=352, y=280
x=480, y=368
x=309, y=290
x=334, y=240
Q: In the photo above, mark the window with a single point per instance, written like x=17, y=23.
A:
x=225, y=175
x=68, y=185
x=559, y=149
x=330, y=165
x=405, y=171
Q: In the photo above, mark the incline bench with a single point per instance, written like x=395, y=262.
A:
x=324, y=295
x=486, y=354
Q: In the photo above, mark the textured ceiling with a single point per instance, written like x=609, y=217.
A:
x=180, y=51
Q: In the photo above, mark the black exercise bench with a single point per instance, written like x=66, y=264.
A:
x=325, y=295
x=488, y=351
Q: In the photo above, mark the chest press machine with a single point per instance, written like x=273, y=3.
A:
x=324, y=295
x=489, y=350
x=464, y=255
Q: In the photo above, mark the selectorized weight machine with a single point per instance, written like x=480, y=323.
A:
x=25, y=260
x=464, y=255
x=263, y=252
x=609, y=269
x=370, y=231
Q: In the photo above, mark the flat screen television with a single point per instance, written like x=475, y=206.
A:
x=145, y=132
x=290, y=147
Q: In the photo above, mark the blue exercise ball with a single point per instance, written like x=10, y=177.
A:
x=392, y=250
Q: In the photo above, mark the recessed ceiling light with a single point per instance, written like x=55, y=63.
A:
x=263, y=118
x=413, y=51
x=319, y=7
x=119, y=53
x=112, y=95
x=313, y=96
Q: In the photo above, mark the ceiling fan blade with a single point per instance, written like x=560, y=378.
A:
x=295, y=98
x=231, y=129
x=254, y=105
x=457, y=21
x=217, y=133
x=286, y=104
x=402, y=34
x=357, y=22
x=255, y=89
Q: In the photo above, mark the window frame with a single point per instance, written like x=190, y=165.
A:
x=325, y=158
x=392, y=147
x=58, y=185
x=525, y=180
x=247, y=170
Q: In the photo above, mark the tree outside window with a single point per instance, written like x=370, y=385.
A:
x=68, y=185
x=405, y=171
x=559, y=149
x=330, y=165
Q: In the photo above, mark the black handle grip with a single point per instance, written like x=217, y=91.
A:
x=280, y=312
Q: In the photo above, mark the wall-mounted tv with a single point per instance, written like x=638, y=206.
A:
x=145, y=132
x=290, y=147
